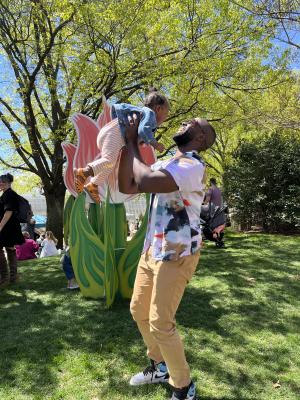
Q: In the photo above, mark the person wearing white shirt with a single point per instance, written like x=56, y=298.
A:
x=49, y=245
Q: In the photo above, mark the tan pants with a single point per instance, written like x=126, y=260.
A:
x=158, y=290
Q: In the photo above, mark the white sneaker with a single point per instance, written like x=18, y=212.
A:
x=155, y=373
x=73, y=286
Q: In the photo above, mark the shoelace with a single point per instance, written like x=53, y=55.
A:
x=150, y=369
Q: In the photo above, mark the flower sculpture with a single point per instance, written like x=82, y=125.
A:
x=104, y=261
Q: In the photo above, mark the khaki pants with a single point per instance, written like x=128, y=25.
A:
x=158, y=290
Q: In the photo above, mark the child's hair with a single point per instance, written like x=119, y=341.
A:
x=6, y=178
x=49, y=235
x=26, y=235
x=155, y=98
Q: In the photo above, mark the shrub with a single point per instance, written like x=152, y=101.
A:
x=262, y=183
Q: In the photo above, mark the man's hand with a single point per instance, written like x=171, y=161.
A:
x=131, y=129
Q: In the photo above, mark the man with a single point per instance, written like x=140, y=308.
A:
x=171, y=250
x=214, y=194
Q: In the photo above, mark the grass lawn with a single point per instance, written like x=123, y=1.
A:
x=240, y=320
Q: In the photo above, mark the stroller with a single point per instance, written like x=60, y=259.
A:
x=213, y=222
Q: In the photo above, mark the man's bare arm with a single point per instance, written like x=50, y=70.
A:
x=134, y=175
x=126, y=180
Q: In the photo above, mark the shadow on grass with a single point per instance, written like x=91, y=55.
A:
x=41, y=322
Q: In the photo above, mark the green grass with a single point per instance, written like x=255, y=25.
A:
x=239, y=318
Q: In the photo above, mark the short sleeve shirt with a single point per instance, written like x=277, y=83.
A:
x=8, y=202
x=174, y=227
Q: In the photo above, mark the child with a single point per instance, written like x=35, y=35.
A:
x=49, y=245
x=27, y=250
x=111, y=139
x=68, y=269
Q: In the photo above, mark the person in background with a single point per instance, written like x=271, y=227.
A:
x=214, y=194
x=27, y=250
x=10, y=230
x=29, y=227
x=68, y=269
x=49, y=245
x=39, y=241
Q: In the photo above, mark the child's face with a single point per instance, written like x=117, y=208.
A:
x=161, y=113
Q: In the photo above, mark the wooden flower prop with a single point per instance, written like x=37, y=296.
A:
x=104, y=262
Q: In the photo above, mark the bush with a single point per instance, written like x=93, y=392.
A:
x=262, y=183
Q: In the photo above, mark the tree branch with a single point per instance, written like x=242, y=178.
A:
x=15, y=166
x=12, y=113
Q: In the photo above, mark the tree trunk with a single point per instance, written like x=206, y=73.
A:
x=55, y=199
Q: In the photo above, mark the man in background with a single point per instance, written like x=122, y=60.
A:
x=214, y=194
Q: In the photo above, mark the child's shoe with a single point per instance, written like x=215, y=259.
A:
x=79, y=179
x=92, y=191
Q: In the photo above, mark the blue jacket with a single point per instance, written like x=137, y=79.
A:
x=147, y=125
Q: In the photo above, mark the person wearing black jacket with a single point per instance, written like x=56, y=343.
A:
x=10, y=230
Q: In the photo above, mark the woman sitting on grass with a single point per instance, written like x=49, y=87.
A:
x=49, y=245
x=27, y=250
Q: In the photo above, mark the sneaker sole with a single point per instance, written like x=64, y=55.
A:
x=149, y=383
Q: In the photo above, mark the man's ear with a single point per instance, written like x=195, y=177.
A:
x=199, y=138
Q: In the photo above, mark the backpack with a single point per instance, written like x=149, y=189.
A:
x=25, y=211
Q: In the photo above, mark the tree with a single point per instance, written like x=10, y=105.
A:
x=261, y=185
x=284, y=14
x=61, y=56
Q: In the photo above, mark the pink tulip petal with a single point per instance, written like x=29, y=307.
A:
x=87, y=132
x=69, y=151
x=105, y=116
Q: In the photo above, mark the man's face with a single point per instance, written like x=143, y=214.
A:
x=198, y=136
x=193, y=134
x=185, y=126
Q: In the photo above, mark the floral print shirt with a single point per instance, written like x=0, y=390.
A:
x=174, y=227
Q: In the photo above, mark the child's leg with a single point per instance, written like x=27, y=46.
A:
x=112, y=142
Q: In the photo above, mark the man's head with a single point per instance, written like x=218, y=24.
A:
x=6, y=181
x=196, y=134
x=213, y=181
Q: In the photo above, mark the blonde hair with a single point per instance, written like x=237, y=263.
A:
x=50, y=236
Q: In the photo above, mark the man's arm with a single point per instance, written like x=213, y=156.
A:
x=6, y=217
x=126, y=180
x=134, y=175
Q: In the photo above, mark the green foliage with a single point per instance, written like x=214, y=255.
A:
x=262, y=183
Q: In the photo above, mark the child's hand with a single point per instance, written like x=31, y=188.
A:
x=160, y=147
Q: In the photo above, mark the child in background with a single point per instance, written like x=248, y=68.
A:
x=111, y=139
x=27, y=250
x=68, y=269
x=49, y=245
